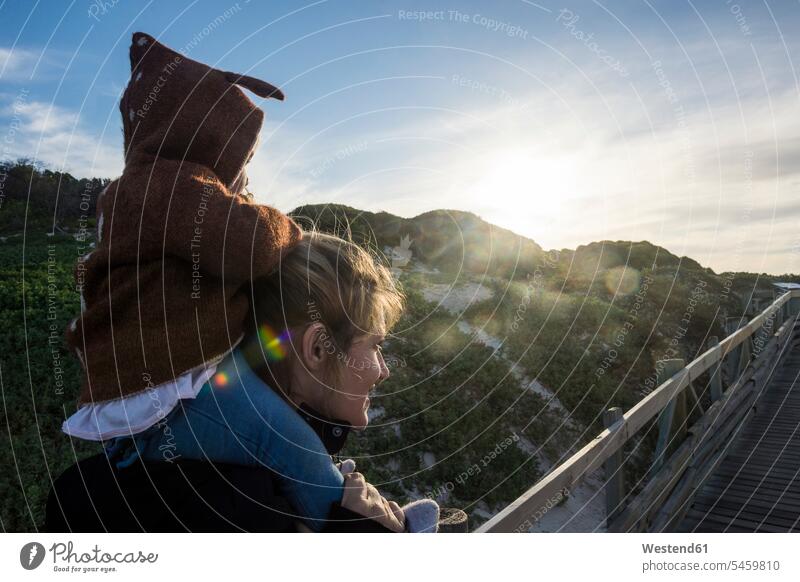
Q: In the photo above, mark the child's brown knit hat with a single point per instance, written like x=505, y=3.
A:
x=180, y=109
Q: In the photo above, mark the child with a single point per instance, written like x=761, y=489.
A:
x=161, y=294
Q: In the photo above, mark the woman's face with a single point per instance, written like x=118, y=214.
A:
x=362, y=369
x=347, y=396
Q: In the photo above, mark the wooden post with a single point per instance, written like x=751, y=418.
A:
x=763, y=333
x=731, y=325
x=671, y=367
x=745, y=351
x=775, y=293
x=679, y=420
x=452, y=520
x=715, y=381
x=696, y=399
x=615, y=476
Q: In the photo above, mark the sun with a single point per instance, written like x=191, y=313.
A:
x=526, y=183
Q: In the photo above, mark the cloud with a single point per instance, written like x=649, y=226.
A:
x=15, y=63
x=55, y=136
x=18, y=64
x=42, y=118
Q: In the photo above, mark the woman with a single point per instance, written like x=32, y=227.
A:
x=287, y=400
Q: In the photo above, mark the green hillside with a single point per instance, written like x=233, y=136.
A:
x=450, y=240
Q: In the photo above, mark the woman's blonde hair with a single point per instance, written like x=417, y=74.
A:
x=326, y=279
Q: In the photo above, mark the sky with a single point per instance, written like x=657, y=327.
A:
x=567, y=122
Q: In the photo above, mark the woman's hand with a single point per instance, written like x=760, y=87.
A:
x=364, y=499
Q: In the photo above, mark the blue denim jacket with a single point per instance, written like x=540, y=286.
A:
x=237, y=418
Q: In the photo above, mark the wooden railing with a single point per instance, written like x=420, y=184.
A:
x=663, y=500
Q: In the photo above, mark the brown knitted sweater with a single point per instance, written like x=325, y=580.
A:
x=165, y=289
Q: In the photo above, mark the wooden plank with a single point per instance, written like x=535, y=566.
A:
x=745, y=483
x=753, y=525
x=671, y=512
x=772, y=465
x=715, y=372
x=670, y=369
x=756, y=497
x=763, y=446
x=729, y=523
x=791, y=500
x=786, y=504
x=745, y=354
x=681, y=415
x=749, y=512
x=757, y=480
x=706, y=527
x=732, y=324
x=759, y=501
x=615, y=482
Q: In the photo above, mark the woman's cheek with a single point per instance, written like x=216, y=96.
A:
x=374, y=369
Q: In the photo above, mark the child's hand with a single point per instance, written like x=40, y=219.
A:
x=364, y=499
x=422, y=516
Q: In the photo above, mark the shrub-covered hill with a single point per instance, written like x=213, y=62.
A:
x=449, y=240
x=36, y=198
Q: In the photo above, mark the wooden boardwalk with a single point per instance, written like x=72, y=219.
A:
x=756, y=488
x=747, y=440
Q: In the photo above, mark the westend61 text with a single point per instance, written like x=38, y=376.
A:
x=673, y=549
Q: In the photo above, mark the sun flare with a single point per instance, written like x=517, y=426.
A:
x=526, y=183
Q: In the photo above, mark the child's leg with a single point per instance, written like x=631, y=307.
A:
x=243, y=421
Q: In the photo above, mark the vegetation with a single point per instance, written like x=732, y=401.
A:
x=37, y=199
x=456, y=420
x=39, y=380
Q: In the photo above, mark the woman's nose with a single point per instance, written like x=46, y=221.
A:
x=384, y=369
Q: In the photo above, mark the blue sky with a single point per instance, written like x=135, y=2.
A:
x=567, y=122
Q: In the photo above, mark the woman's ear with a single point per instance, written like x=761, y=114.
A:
x=314, y=346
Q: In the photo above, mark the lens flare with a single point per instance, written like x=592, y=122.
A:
x=220, y=380
x=622, y=280
x=274, y=345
